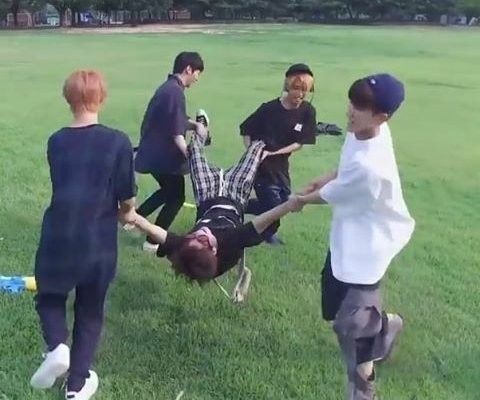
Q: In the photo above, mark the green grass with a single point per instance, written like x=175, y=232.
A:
x=163, y=335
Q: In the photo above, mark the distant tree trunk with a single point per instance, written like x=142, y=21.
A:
x=14, y=10
x=61, y=15
x=133, y=18
x=73, y=19
x=350, y=12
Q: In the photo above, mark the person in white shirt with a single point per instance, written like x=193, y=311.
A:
x=371, y=224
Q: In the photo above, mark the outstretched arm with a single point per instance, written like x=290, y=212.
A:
x=284, y=150
x=311, y=193
x=317, y=184
x=263, y=221
x=181, y=144
x=159, y=235
x=311, y=198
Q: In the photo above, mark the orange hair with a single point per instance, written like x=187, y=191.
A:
x=85, y=90
x=302, y=82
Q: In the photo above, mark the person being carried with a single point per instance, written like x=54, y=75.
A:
x=217, y=241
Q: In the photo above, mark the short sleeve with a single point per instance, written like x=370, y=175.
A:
x=253, y=125
x=125, y=187
x=246, y=236
x=172, y=243
x=49, y=150
x=355, y=186
x=177, y=114
x=307, y=135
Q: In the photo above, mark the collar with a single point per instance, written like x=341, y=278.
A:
x=177, y=79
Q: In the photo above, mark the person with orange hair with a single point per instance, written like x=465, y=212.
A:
x=91, y=169
x=284, y=124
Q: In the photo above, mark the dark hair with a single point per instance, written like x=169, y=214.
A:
x=362, y=96
x=196, y=264
x=185, y=59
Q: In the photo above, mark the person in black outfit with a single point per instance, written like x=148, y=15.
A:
x=91, y=169
x=285, y=124
x=162, y=151
x=217, y=241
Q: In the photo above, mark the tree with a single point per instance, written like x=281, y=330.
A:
x=356, y=7
x=61, y=6
x=154, y=8
x=107, y=6
x=435, y=8
x=13, y=6
x=471, y=8
x=3, y=10
x=379, y=8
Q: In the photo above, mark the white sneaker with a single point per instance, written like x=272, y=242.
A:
x=87, y=391
x=56, y=363
x=150, y=247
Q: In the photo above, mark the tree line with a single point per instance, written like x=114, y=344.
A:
x=307, y=10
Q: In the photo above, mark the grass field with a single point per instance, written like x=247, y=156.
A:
x=163, y=335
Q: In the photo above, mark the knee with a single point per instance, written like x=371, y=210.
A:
x=91, y=311
x=176, y=199
x=361, y=322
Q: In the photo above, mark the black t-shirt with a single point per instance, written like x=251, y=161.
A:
x=278, y=128
x=226, y=225
x=164, y=119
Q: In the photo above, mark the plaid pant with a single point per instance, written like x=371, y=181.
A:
x=234, y=183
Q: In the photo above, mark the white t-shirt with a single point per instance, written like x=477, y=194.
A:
x=371, y=222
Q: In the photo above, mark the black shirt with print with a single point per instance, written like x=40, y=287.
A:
x=278, y=128
x=228, y=228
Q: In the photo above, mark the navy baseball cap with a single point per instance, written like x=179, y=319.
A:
x=388, y=92
x=296, y=69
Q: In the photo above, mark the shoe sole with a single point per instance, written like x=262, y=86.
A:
x=46, y=379
x=88, y=395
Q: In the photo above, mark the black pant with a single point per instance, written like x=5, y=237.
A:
x=89, y=311
x=335, y=291
x=171, y=195
x=269, y=195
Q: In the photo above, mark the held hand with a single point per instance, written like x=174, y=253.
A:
x=266, y=154
x=127, y=218
x=201, y=131
x=311, y=187
x=295, y=203
x=318, y=183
